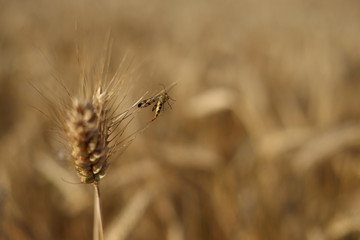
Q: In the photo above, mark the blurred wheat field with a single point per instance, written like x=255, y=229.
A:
x=263, y=141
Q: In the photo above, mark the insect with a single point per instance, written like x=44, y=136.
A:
x=159, y=100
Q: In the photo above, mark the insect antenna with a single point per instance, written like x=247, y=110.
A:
x=169, y=103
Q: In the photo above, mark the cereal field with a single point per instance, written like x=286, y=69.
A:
x=262, y=140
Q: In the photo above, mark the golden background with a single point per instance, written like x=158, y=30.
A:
x=263, y=141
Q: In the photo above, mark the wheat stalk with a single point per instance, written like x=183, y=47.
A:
x=93, y=125
x=94, y=129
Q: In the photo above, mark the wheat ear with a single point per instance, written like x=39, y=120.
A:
x=88, y=133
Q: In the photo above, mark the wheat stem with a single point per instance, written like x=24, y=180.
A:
x=98, y=226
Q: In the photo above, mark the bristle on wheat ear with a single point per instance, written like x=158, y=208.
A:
x=87, y=130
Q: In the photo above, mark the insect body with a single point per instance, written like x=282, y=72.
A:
x=159, y=101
